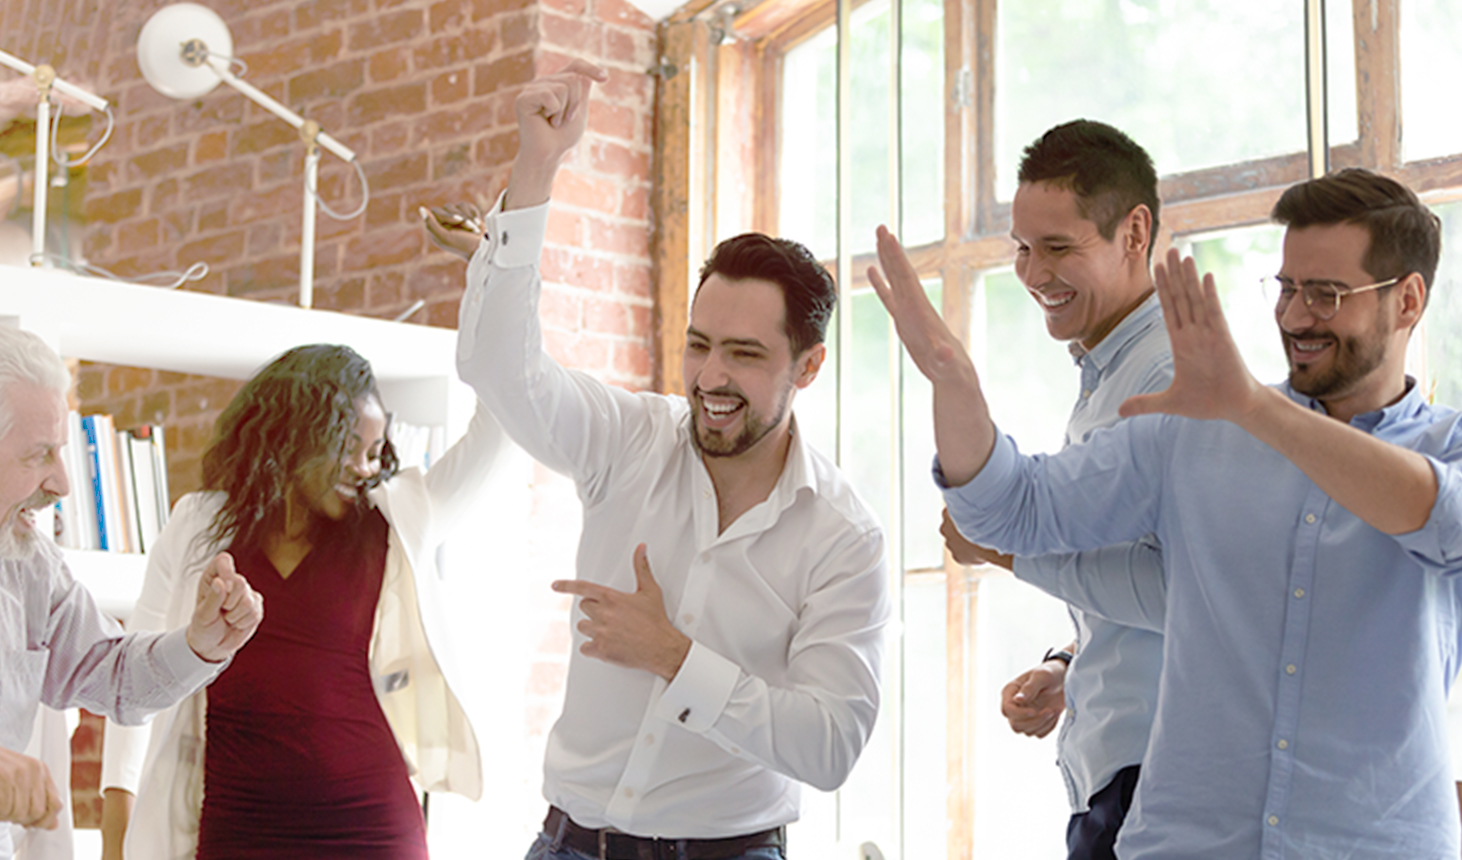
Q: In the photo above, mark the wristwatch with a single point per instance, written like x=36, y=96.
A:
x=1063, y=655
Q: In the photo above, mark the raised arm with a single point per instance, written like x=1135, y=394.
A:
x=1389, y=487
x=963, y=430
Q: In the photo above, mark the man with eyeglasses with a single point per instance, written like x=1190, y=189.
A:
x=1310, y=534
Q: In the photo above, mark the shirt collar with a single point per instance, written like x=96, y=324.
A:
x=1130, y=328
x=1411, y=404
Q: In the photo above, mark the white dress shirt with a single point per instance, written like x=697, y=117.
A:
x=786, y=607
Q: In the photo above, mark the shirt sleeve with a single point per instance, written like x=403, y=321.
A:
x=813, y=727
x=126, y=677
x=1107, y=490
x=564, y=419
x=1437, y=545
x=1123, y=583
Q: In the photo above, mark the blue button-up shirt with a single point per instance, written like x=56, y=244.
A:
x=1111, y=688
x=1302, y=707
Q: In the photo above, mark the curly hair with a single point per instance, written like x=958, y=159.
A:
x=298, y=410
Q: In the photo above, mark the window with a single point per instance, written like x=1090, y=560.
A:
x=918, y=121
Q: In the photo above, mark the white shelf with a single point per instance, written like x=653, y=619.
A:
x=113, y=578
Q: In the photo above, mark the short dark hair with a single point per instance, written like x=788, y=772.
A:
x=808, y=289
x=1109, y=173
x=1406, y=236
x=300, y=408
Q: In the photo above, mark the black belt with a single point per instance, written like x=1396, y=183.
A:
x=610, y=844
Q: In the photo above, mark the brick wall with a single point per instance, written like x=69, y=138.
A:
x=422, y=91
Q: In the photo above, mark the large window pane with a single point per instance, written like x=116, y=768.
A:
x=923, y=547
x=1442, y=323
x=807, y=156
x=1431, y=65
x=1237, y=260
x=923, y=121
x=1029, y=380
x=1152, y=68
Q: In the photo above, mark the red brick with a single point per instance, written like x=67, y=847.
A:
x=471, y=118
x=225, y=179
x=453, y=49
x=221, y=107
x=389, y=138
x=447, y=15
x=151, y=165
x=98, y=241
x=574, y=8
x=635, y=203
x=203, y=397
x=213, y=216
x=384, y=248
x=264, y=238
x=637, y=49
x=390, y=64
x=586, y=192
x=632, y=88
x=518, y=30
x=91, y=382
x=621, y=12
x=618, y=160
x=560, y=309
x=316, y=12
x=176, y=225
x=613, y=121
x=484, y=9
x=633, y=360
x=498, y=149
x=287, y=57
x=608, y=316
x=439, y=279
x=346, y=295
x=111, y=208
x=442, y=314
x=136, y=235
x=330, y=82
x=386, y=29
x=451, y=161
x=263, y=136
x=256, y=29
x=574, y=34
x=633, y=280
x=509, y=71
x=565, y=228
x=451, y=87
x=275, y=273
x=397, y=171
x=213, y=250
x=142, y=98
x=211, y=147
x=385, y=288
x=127, y=380
x=383, y=210
x=278, y=166
x=372, y=107
x=148, y=130
x=616, y=238
x=568, y=266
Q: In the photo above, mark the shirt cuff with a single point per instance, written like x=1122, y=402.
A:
x=516, y=236
x=190, y=670
x=699, y=691
x=998, y=469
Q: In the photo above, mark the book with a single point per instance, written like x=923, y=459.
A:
x=94, y=461
x=144, y=486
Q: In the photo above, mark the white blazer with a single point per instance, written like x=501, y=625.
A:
x=410, y=659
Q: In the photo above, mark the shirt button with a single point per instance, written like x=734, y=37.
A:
x=649, y=739
x=1274, y=821
x=1283, y=744
x=1086, y=393
x=705, y=494
x=629, y=792
x=1310, y=518
x=1299, y=592
x=687, y=618
x=1290, y=669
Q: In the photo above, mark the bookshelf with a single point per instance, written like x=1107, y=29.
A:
x=188, y=332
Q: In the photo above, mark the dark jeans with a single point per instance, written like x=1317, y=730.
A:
x=1090, y=835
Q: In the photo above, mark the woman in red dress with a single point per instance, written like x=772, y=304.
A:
x=305, y=731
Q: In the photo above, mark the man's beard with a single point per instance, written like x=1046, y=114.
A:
x=17, y=544
x=713, y=443
x=1353, y=360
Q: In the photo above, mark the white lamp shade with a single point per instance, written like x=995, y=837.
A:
x=160, y=49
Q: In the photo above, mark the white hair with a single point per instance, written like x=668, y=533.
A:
x=26, y=359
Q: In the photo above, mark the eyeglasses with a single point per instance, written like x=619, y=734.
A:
x=1322, y=298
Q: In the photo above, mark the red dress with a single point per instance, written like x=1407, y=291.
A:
x=300, y=761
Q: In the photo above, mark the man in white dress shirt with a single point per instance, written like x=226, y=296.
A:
x=732, y=587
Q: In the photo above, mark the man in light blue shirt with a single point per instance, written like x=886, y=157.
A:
x=1083, y=218
x=1309, y=534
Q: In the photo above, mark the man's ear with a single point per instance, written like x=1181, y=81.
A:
x=1412, y=290
x=1137, y=232
x=809, y=363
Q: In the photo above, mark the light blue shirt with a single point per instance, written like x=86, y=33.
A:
x=1302, y=710
x=1111, y=687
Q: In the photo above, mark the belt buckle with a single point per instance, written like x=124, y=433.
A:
x=603, y=843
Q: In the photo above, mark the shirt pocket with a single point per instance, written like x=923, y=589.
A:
x=22, y=676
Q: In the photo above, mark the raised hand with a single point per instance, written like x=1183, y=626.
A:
x=28, y=795
x=553, y=112
x=629, y=629
x=1210, y=380
x=227, y=613
x=1034, y=700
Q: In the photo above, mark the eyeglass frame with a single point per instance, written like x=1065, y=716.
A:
x=1305, y=291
